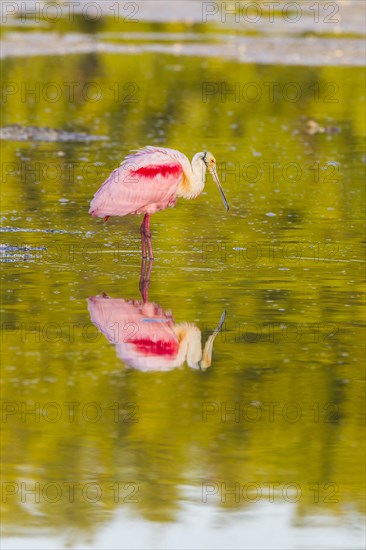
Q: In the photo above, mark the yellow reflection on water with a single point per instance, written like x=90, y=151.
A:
x=282, y=404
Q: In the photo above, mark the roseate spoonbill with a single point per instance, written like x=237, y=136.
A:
x=147, y=338
x=149, y=180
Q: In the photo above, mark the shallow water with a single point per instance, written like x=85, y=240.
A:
x=264, y=449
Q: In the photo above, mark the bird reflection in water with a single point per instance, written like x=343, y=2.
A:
x=146, y=336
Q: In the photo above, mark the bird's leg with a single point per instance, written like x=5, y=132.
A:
x=143, y=237
x=145, y=280
x=148, y=272
x=142, y=277
x=148, y=237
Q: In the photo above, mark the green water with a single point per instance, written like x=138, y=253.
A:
x=286, y=263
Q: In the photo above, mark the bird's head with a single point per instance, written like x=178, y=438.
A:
x=209, y=162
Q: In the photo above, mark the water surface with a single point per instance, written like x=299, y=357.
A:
x=278, y=417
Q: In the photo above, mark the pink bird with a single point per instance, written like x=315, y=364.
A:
x=150, y=180
x=147, y=338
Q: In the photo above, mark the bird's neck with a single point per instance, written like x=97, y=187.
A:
x=193, y=180
x=190, y=349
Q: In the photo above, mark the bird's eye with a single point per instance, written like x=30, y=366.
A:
x=212, y=161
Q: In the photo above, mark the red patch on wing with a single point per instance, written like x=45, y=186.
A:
x=161, y=347
x=154, y=170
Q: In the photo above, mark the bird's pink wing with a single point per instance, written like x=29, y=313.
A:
x=143, y=333
x=145, y=182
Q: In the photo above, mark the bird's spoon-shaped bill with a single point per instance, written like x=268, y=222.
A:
x=207, y=351
x=215, y=177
